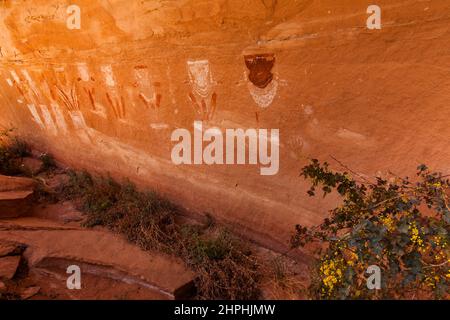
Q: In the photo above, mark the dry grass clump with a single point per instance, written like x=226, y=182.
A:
x=12, y=150
x=226, y=267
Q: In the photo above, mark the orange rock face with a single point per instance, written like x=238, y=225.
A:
x=103, y=85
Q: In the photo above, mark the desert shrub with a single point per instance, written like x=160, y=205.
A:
x=226, y=268
x=48, y=162
x=79, y=184
x=401, y=226
x=12, y=150
x=19, y=148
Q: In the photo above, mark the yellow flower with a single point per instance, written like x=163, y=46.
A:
x=440, y=241
x=415, y=236
x=439, y=256
x=352, y=259
x=331, y=274
x=388, y=222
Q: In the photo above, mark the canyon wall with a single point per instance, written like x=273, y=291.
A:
x=107, y=96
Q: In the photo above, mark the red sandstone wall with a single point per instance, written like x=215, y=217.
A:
x=108, y=96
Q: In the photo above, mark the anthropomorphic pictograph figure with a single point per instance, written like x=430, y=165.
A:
x=203, y=97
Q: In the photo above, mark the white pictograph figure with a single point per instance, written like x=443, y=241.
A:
x=35, y=102
x=35, y=115
x=150, y=95
x=148, y=92
x=202, y=96
x=115, y=100
x=86, y=84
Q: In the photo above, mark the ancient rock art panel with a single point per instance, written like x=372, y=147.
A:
x=15, y=76
x=149, y=94
x=66, y=91
x=117, y=104
x=115, y=100
x=297, y=145
x=202, y=96
x=78, y=120
x=262, y=83
x=109, y=75
x=87, y=85
x=34, y=99
x=59, y=116
x=171, y=88
x=51, y=100
x=22, y=88
x=83, y=71
x=65, y=94
x=31, y=83
x=48, y=120
x=35, y=115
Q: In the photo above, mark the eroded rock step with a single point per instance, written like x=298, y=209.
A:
x=99, y=254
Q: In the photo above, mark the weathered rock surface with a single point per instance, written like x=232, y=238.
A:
x=52, y=248
x=64, y=212
x=32, y=165
x=8, y=267
x=107, y=97
x=8, y=248
x=29, y=292
x=8, y=184
x=15, y=196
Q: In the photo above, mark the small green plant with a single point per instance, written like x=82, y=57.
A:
x=401, y=226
